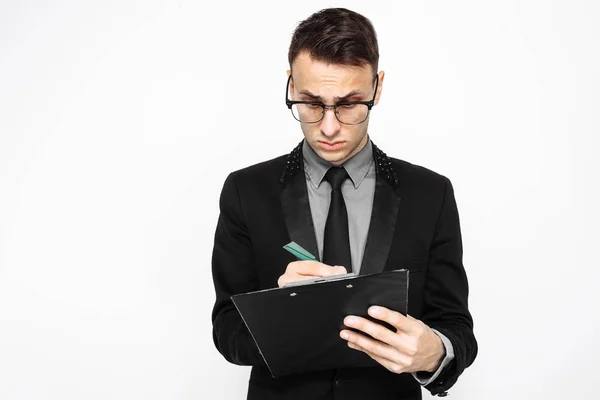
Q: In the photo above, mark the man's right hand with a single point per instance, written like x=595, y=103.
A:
x=301, y=270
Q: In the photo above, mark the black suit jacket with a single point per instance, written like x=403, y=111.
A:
x=414, y=225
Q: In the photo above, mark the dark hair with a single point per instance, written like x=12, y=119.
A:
x=336, y=36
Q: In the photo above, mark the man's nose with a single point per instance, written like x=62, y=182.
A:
x=330, y=124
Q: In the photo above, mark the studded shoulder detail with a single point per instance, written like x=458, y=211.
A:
x=294, y=162
x=383, y=166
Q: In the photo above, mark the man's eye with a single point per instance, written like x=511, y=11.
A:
x=347, y=106
x=313, y=106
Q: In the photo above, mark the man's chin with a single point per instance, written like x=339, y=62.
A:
x=334, y=158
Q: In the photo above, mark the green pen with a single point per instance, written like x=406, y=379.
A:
x=299, y=252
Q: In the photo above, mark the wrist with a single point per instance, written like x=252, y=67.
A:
x=438, y=353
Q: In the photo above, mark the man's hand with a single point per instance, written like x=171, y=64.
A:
x=300, y=270
x=413, y=347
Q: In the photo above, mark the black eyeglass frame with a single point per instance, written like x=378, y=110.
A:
x=369, y=104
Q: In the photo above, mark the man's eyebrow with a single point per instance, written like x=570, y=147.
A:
x=336, y=98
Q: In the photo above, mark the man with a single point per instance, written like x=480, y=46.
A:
x=341, y=197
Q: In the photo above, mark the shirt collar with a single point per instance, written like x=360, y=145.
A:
x=357, y=167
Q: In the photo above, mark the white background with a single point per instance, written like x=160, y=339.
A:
x=119, y=121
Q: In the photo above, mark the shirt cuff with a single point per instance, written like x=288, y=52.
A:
x=426, y=380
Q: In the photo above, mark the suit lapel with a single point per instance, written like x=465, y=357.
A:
x=384, y=215
x=295, y=203
x=381, y=228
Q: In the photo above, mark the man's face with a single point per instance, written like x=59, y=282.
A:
x=317, y=81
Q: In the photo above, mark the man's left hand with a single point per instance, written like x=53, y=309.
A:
x=413, y=347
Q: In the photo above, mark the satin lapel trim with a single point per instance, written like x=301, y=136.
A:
x=386, y=205
x=296, y=211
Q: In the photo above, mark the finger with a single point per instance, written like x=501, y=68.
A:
x=373, y=346
x=394, y=318
x=315, y=268
x=327, y=270
x=287, y=278
x=338, y=269
x=305, y=267
x=404, y=344
x=373, y=329
x=388, y=364
x=291, y=277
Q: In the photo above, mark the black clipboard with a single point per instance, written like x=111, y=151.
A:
x=297, y=328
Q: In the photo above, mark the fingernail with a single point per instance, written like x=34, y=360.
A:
x=344, y=335
x=375, y=311
x=350, y=321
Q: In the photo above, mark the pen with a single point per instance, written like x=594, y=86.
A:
x=299, y=252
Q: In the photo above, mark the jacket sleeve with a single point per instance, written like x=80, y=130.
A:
x=446, y=294
x=233, y=273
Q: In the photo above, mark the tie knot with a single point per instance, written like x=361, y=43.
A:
x=336, y=176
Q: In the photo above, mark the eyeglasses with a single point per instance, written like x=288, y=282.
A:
x=347, y=112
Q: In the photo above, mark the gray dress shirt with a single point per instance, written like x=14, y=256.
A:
x=358, y=192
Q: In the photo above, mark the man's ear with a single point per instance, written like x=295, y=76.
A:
x=289, y=72
x=380, y=86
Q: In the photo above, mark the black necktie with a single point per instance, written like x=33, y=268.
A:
x=336, y=243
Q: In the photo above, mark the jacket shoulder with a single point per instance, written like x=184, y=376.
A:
x=259, y=178
x=417, y=176
x=268, y=167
